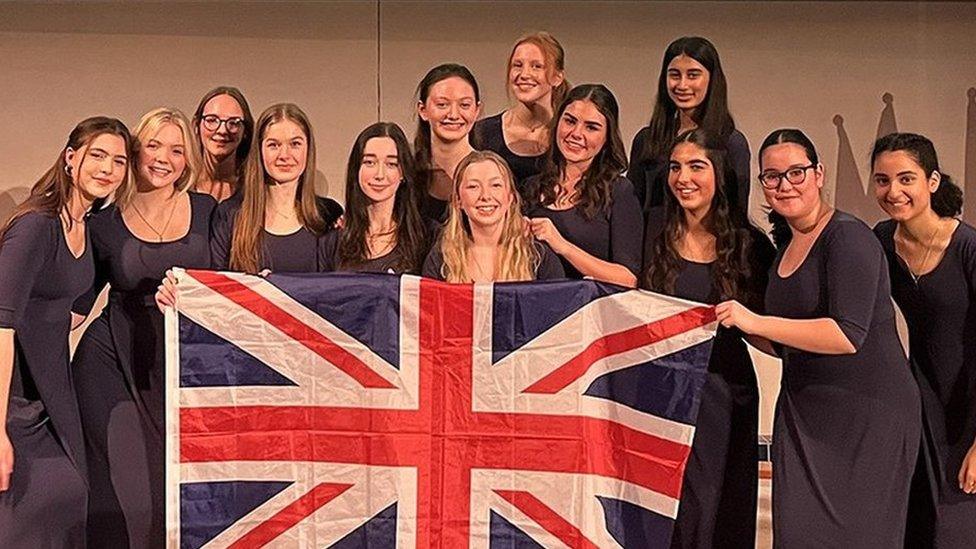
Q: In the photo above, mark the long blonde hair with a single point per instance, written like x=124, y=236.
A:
x=148, y=127
x=518, y=259
x=246, y=241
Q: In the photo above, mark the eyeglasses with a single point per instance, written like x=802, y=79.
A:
x=796, y=176
x=212, y=122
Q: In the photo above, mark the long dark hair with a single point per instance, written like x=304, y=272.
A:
x=421, y=139
x=781, y=228
x=51, y=192
x=247, y=240
x=712, y=115
x=729, y=227
x=244, y=147
x=947, y=199
x=411, y=236
x=609, y=163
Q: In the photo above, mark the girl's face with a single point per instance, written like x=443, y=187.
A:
x=581, y=132
x=221, y=126
x=530, y=77
x=162, y=158
x=451, y=109
x=792, y=200
x=485, y=194
x=99, y=167
x=691, y=178
x=379, y=170
x=901, y=187
x=687, y=82
x=284, y=151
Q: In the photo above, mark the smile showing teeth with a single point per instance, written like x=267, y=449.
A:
x=159, y=171
x=486, y=209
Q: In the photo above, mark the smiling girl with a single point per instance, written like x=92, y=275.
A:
x=932, y=262
x=485, y=238
x=580, y=204
x=224, y=128
x=536, y=80
x=119, y=362
x=45, y=264
x=691, y=93
x=448, y=103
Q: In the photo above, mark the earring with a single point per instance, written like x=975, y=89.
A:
x=67, y=169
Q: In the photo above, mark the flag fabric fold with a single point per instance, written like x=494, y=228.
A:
x=380, y=411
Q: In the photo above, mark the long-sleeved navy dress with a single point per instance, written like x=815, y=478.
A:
x=940, y=310
x=488, y=135
x=387, y=263
x=298, y=252
x=718, y=497
x=614, y=235
x=650, y=175
x=847, y=427
x=39, y=280
x=120, y=375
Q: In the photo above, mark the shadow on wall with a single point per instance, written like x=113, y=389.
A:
x=850, y=193
x=9, y=200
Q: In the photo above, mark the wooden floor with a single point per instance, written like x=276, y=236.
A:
x=764, y=522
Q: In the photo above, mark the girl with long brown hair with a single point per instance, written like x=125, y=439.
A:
x=485, y=238
x=382, y=229
x=277, y=222
x=448, y=103
x=45, y=264
x=700, y=249
x=581, y=204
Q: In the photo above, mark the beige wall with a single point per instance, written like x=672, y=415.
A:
x=789, y=64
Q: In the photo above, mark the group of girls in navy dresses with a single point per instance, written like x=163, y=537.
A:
x=866, y=441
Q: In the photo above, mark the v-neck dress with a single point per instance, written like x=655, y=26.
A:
x=940, y=310
x=846, y=431
x=39, y=280
x=488, y=134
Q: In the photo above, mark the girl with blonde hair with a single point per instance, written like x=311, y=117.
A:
x=119, y=363
x=485, y=238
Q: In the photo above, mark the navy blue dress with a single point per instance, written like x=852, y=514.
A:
x=720, y=490
x=391, y=262
x=940, y=310
x=488, y=135
x=549, y=267
x=120, y=375
x=613, y=235
x=846, y=432
x=298, y=252
x=39, y=280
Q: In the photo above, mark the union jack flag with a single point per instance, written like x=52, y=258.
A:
x=381, y=411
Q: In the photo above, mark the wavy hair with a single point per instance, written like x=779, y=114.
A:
x=148, y=127
x=51, y=192
x=518, y=257
x=712, y=115
x=595, y=186
x=244, y=147
x=411, y=235
x=247, y=239
x=729, y=227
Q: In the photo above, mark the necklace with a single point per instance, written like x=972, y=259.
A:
x=159, y=233
x=917, y=271
x=67, y=214
x=279, y=214
x=483, y=273
x=526, y=124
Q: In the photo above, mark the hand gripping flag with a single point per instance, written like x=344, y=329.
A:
x=378, y=411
